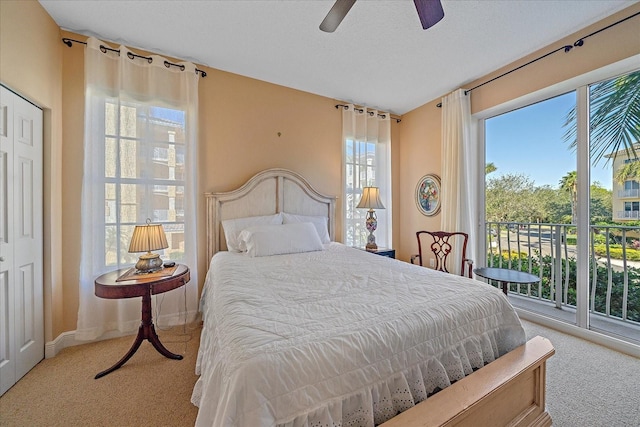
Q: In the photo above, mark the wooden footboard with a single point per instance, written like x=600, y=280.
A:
x=507, y=392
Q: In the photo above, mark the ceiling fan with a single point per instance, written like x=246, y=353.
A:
x=429, y=11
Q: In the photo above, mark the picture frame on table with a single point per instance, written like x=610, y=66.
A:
x=427, y=195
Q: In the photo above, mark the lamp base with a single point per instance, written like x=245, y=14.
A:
x=148, y=263
x=372, y=224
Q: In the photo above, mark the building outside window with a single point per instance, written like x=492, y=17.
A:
x=143, y=176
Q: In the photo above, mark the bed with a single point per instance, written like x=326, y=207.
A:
x=331, y=335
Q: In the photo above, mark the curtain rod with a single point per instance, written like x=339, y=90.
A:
x=566, y=48
x=360, y=110
x=69, y=42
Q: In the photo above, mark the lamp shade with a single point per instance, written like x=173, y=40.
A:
x=370, y=199
x=147, y=238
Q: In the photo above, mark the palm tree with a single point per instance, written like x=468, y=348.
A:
x=628, y=172
x=569, y=183
x=489, y=167
x=614, y=122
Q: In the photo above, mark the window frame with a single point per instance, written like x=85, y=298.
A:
x=148, y=146
x=377, y=173
x=580, y=84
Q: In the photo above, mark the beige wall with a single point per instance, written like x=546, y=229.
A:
x=240, y=119
x=420, y=132
x=420, y=152
x=31, y=65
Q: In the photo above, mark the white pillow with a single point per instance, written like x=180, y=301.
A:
x=319, y=222
x=233, y=227
x=265, y=240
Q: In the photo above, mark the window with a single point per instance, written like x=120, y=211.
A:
x=143, y=176
x=360, y=172
x=632, y=207
x=559, y=207
x=140, y=151
x=366, y=137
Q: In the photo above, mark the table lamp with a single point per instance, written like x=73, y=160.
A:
x=371, y=200
x=147, y=238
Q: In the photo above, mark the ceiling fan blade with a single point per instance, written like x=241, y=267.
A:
x=429, y=11
x=336, y=15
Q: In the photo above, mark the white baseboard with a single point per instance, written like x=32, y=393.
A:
x=68, y=339
x=52, y=348
x=595, y=337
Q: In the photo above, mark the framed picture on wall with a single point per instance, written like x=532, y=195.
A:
x=428, y=195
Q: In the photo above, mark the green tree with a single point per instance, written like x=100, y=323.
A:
x=556, y=205
x=489, y=167
x=569, y=183
x=601, y=203
x=614, y=121
x=510, y=198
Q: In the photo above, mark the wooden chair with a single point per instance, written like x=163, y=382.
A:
x=441, y=244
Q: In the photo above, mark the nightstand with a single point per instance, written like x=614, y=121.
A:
x=389, y=253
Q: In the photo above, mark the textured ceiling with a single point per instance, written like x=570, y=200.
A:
x=378, y=57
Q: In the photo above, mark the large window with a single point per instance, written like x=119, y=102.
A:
x=561, y=199
x=140, y=151
x=143, y=176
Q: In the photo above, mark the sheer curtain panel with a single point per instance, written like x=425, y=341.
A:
x=366, y=136
x=140, y=148
x=459, y=172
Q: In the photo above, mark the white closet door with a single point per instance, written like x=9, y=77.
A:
x=21, y=282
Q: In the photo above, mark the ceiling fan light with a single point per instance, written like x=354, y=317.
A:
x=429, y=11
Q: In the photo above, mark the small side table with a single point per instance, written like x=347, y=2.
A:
x=506, y=276
x=389, y=253
x=106, y=286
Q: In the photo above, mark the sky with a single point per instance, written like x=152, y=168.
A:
x=530, y=141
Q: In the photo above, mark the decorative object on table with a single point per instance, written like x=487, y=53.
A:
x=147, y=238
x=371, y=200
x=134, y=274
x=428, y=195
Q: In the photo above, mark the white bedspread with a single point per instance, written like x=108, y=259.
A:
x=338, y=337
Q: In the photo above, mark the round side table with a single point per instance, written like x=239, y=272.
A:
x=506, y=276
x=107, y=286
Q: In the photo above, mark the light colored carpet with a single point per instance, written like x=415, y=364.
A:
x=149, y=390
x=587, y=385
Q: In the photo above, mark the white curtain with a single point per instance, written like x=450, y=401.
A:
x=459, y=172
x=127, y=99
x=366, y=135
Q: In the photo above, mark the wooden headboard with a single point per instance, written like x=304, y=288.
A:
x=268, y=192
